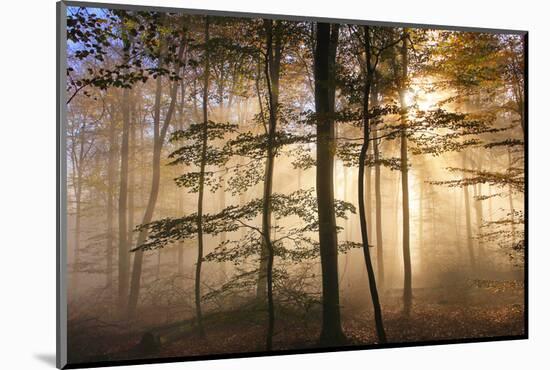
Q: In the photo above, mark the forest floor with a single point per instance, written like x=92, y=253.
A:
x=483, y=309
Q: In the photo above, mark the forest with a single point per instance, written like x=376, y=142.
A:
x=242, y=185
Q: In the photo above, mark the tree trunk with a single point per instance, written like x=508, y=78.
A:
x=159, y=136
x=200, y=204
x=420, y=241
x=467, y=211
x=179, y=193
x=478, y=207
x=325, y=59
x=511, y=202
x=378, y=197
x=368, y=194
x=272, y=71
x=223, y=118
x=407, y=281
x=123, y=250
x=368, y=77
x=457, y=228
x=407, y=289
x=131, y=175
x=261, y=286
x=77, y=229
x=110, y=202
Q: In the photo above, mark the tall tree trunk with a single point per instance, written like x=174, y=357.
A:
x=159, y=135
x=407, y=270
x=77, y=229
x=511, y=202
x=369, y=71
x=467, y=210
x=368, y=193
x=223, y=118
x=155, y=181
x=77, y=173
x=457, y=228
x=200, y=233
x=378, y=195
x=478, y=207
x=325, y=60
x=131, y=174
x=110, y=202
x=179, y=194
x=261, y=286
x=422, y=248
x=272, y=71
x=78, y=159
x=347, y=226
x=272, y=76
x=179, y=209
x=398, y=250
x=123, y=250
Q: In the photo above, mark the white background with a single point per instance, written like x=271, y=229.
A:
x=27, y=182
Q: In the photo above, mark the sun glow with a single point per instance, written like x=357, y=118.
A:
x=422, y=95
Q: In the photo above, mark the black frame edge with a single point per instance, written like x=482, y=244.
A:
x=290, y=17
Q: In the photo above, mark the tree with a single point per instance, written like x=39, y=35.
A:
x=123, y=248
x=491, y=84
x=158, y=142
x=402, y=83
x=371, y=62
x=325, y=55
x=81, y=142
x=201, y=175
x=272, y=68
x=377, y=189
x=111, y=173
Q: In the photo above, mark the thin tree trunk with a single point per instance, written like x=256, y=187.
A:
x=368, y=193
x=223, y=118
x=79, y=140
x=179, y=194
x=407, y=283
x=361, y=191
x=511, y=202
x=123, y=250
x=456, y=225
x=200, y=204
x=77, y=229
x=378, y=197
x=478, y=207
x=131, y=175
x=159, y=136
x=272, y=69
x=397, y=230
x=261, y=286
x=179, y=211
x=467, y=211
x=110, y=202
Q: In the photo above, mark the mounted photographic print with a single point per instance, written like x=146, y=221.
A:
x=235, y=185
